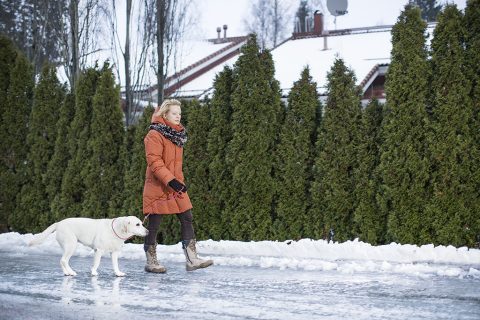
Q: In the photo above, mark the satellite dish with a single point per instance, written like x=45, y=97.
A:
x=337, y=7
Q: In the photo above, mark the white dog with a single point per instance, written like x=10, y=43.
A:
x=102, y=235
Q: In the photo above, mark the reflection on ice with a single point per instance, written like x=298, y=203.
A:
x=96, y=291
x=105, y=295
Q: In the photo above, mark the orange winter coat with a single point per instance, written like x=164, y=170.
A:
x=164, y=163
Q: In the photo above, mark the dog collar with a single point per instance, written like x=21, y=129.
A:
x=113, y=229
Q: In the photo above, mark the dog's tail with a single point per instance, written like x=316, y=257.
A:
x=40, y=237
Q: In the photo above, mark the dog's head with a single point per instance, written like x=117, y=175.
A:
x=132, y=225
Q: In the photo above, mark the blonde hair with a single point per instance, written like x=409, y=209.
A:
x=165, y=107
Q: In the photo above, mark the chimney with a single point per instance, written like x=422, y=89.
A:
x=318, y=23
x=225, y=27
x=218, y=33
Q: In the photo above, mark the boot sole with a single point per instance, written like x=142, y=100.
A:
x=156, y=271
x=201, y=266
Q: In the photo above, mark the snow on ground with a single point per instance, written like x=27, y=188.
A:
x=309, y=255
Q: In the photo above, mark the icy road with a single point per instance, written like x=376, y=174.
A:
x=249, y=281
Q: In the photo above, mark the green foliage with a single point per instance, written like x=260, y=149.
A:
x=15, y=109
x=452, y=203
x=185, y=111
x=404, y=166
x=196, y=161
x=295, y=161
x=69, y=202
x=103, y=171
x=8, y=54
x=369, y=222
x=219, y=172
x=472, y=70
x=333, y=192
x=255, y=105
x=57, y=165
x=33, y=209
x=16, y=113
x=136, y=167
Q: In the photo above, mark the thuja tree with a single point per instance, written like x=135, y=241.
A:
x=452, y=146
x=69, y=202
x=8, y=54
x=136, y=167
x=196, y=161
x=104, y=168
x=219, y=135
x=16, y=110
x=333, y=192
x=58, y=163
x=404, y=166
x=472, y=61
x=33, y=209
x=295, y=161
x=369, y=222
x=255, y=105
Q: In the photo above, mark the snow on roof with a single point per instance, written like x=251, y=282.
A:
x=192, y=51
x=205, y=81
x=361, y=52
x=362, y=49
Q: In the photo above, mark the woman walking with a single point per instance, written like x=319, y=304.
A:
x=165, y=191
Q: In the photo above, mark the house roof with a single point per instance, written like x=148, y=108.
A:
x=209, y=54
x=361, y=48
x=378, y=69
x=360, y=51
x=366, y=51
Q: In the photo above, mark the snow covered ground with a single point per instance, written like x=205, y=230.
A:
x=303, y=279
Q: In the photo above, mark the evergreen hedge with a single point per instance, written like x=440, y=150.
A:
x=333, y=191
x=260, y=168
x=404, y=167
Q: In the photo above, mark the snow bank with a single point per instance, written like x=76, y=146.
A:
x=348, y=257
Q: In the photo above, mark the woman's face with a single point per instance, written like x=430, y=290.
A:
x=174, y=114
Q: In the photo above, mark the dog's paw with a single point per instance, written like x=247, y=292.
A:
x=94, y=273
x=120, y=274
x=70, y=274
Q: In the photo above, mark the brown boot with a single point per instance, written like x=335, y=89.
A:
x=152, y=262
x=193, y=261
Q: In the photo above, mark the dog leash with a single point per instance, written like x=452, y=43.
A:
x=176, y=195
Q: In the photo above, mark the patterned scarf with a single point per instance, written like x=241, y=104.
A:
x=177, y=137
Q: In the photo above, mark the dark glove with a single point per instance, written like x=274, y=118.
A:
x=177, y=186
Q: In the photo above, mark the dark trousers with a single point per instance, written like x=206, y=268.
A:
x=186, y=225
